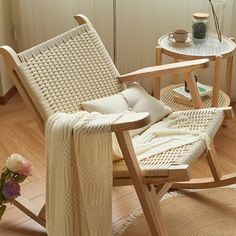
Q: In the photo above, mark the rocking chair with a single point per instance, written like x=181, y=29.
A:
x=60, y=74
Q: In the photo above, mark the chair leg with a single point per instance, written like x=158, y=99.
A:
x=218, y=179
x=41, y=214
x=25, y=205
x=150, y=208
x=214, y=163
x=162, y=189
x=192, y=86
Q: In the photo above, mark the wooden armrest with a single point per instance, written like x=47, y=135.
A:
x=167, y=69
x=228, y=111
x=131, y=121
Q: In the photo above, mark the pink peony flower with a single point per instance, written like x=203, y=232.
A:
x=26, y=168
x=16, y=170
x=11, y=190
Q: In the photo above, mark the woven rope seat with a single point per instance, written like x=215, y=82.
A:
x=167, y=96
x=208, y=120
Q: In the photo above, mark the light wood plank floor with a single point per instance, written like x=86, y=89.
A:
x=19, y=134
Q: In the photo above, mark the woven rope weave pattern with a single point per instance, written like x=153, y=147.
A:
x=67, y=70
x=208, y=120
x=79, y=174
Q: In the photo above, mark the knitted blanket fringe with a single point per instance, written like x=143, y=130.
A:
x=123, y=224
x=79, y=174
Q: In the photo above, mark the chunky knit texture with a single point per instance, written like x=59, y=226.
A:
x=79, y=174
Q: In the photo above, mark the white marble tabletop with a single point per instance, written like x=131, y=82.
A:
x=210, y=47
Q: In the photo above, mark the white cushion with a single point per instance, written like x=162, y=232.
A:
x=106, y=105
x=139, y=100
x=134, y=99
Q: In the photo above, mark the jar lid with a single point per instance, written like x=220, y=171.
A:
x=199, y=15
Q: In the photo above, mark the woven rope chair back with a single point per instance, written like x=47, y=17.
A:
x=71, y=68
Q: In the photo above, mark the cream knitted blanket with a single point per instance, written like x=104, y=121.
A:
x=79, y=174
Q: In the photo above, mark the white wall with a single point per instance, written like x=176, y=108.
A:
x=139, y=24
x=6, y=37
x=37, y=21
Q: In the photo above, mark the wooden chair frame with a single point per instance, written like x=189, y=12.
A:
x=143, y=186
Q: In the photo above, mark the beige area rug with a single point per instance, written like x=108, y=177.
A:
x=203, y=213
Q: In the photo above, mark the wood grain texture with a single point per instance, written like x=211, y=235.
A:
x=4, y=99
x=167, y=69
x=216, y=83
x=175, y=77
x=20, y=134
x=157, y=79
x=149, y=206
x=192, y=86
x=131, y=121
x=228, y=75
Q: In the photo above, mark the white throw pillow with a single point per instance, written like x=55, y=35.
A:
x=139, y=100
x=106, y=105
x=134, y=99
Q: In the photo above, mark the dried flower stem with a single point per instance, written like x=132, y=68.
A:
x=216, y=21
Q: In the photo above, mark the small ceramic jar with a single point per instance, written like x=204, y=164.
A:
x=200, y=26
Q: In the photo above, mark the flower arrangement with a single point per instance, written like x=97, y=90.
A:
x=15, y=171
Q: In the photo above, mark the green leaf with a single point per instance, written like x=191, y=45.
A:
x=2, y=198
x=20, y=178
x=4, y=176
x=2, y=210
x=5, y=172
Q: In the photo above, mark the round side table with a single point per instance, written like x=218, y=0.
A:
x=212, y=49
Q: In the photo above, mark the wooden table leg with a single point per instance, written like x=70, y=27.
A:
x=216, y=82
x=192, y=86
x=157, y=81
x=175, y=77
x=228, y=76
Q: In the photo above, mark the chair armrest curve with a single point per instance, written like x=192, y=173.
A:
x=167, y=69
x=131, y=121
